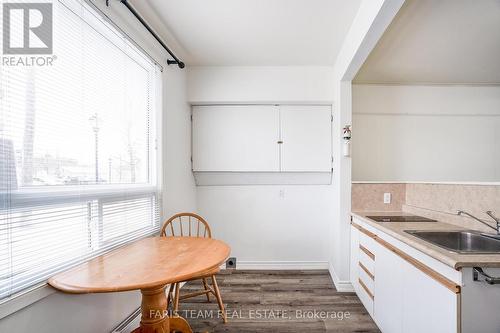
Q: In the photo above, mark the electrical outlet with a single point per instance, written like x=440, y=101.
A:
x=231, y=263
x=387, y=198
x=282, y=194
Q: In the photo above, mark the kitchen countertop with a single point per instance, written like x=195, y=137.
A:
x=453, y=259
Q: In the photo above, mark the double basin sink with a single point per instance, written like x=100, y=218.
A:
x=465, y=242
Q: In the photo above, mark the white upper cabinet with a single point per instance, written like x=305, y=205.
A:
x=236, y=138
x=306, y=135
x=262, y=144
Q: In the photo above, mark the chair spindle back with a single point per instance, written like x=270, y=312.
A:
x=186, y=225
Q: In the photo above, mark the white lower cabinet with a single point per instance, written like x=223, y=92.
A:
x=406, y=299
x=362, y=269
x=428, y=306
x=388, y=290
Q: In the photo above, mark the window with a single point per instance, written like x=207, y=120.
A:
x=78, y=163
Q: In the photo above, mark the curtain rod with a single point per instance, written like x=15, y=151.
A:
x=176, y=60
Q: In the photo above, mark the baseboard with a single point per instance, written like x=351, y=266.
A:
x=283, y=265
x=130, y=323
x=342, y=286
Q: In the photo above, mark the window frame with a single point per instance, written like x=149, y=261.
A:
x=33, y=196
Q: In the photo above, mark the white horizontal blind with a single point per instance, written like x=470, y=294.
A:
x=78, y=164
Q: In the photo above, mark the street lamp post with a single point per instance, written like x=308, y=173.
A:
x=95, y=128
x=109, y=170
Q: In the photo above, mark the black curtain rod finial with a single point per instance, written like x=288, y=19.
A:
x=175, y=62
x=148, y=28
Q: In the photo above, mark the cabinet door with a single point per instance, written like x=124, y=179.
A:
x=428, y=306
x=236, y=138
x=307, y=138
x=388, y=290
x=408, y=300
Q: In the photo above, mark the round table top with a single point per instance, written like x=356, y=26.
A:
x=147, y=263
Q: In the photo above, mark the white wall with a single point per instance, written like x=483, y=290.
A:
x=93, y=313
x=260, y=84
x=179, y=192
x=270, y=225
x=369, y=24
x=267, y=226
x=426, y=133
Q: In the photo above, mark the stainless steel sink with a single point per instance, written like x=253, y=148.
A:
x=460, y=241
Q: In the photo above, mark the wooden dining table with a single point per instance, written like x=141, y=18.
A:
x=148, y=265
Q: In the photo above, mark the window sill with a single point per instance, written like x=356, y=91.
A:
x=25, y=298
x=38, y=292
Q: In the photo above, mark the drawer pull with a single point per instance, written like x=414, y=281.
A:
x=363, y=285
x=363, y=230
x=363, y=267
x=367, y=252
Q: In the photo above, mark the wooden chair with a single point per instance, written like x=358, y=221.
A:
x=192, y=225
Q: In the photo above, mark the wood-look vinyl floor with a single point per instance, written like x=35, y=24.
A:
x=277, y=301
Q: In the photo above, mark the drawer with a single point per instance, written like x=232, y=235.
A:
x=367, y=258
x=366, y=296
x=367, y=277
x=368, y=242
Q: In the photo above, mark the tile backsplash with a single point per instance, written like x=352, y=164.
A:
x=370, y=197
x=437, y=201
x=442, y=201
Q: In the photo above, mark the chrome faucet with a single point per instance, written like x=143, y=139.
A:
x=490, y=214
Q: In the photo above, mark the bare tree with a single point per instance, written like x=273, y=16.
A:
x=131, y=154
x=29, y=128
x=94, y=122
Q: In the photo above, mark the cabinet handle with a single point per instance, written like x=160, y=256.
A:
x=280, y=142
x=362, y=284
x=367, y=252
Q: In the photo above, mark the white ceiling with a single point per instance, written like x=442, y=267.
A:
x=258, y=32
x=438, y=41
